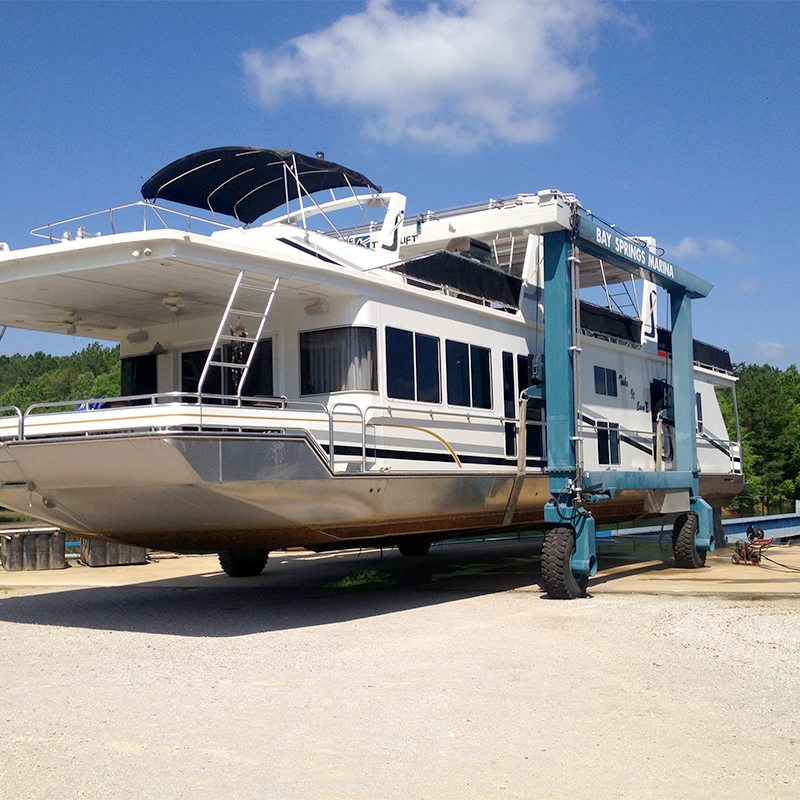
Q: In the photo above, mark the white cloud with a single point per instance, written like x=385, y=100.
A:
x=688, y=248
x=459, y=73
x=704, y=248
x=748, y=286
x=766, y=352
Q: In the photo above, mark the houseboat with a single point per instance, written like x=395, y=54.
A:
x=345, y=375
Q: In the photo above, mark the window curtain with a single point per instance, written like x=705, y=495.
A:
x=338, y=360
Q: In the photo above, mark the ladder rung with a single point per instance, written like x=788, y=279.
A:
x=256, y=288
x=241, y=339
x=247, y=313
x=228, y=364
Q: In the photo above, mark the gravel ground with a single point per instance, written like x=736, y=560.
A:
x=288, y=688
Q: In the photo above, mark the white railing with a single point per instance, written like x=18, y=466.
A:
x=5, y=417
x=180, y=411
x=116, y=220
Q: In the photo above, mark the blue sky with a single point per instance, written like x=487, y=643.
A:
x=679, y=120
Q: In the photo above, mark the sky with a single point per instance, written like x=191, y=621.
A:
x=677, y=120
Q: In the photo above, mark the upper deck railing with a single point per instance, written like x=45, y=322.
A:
x=131, y=217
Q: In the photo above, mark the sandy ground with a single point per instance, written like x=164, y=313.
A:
x=443, y=677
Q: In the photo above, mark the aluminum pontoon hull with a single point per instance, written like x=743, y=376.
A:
x=208, y=493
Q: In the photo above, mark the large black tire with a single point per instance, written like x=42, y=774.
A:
x=687, y=556
x=558, y=579
x=243, y=565
x=414, y=548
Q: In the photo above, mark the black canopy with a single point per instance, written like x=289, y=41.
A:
x=246, y=182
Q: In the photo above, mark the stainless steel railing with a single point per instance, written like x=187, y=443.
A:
x=106, y=218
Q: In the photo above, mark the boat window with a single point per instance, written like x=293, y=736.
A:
x=535, y=413
x=426, y=360
x=458, y=380
x=608, y=442
x=192, y=363
x=509, y=395
x=338, y=360
x=605, y=381
x=698, y=401
x=412, y=366
x=138, y=375
x=481, y=377
x=400, y=364
x=259, y=377
x=468, y=375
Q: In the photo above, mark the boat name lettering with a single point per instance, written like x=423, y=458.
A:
x=365, y=239
x=362, y=239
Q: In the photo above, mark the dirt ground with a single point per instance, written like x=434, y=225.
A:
x=373, y=676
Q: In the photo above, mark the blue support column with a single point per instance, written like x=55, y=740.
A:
x=559, y=387
x=683, y=384
x=558, y=356
x=685, y=410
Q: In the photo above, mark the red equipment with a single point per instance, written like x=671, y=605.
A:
x=748, y=551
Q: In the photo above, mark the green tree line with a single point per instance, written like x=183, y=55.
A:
x=768, y=400
x=41, y=378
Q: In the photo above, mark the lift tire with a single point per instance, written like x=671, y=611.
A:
x=558, y=579
x=243, y=565
x=687, y=556
x=414, y=548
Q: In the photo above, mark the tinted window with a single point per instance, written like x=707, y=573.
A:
x=427, y=361
x=259, y=376
x=608, y=442
x=605, y=381
x=400, y=364
x=192, y=364
x=139, y=375
x=458, y=377
x=481, y=378
x=509, y=396
x=698, y=402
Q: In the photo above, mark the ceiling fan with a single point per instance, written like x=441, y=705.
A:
x=72, y=320
x=176, y=304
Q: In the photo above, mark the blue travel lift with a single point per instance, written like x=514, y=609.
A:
x=569, y=556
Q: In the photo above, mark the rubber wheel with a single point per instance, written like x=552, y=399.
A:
x=414, y=548
x=736, y=558
x=687, y=556
x=243, y=565
x=558, y=579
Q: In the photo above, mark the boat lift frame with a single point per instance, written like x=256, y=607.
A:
x=570, y=486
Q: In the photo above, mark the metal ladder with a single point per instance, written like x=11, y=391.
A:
x=220, y=337
x=624, y=299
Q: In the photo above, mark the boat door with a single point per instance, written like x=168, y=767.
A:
x=527, y=376
x=662, y=410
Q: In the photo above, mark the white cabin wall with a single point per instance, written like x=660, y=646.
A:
x=630, y=409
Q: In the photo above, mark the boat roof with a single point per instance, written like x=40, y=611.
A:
x=247, y=182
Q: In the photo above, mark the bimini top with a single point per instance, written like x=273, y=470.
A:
x=246, y=182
